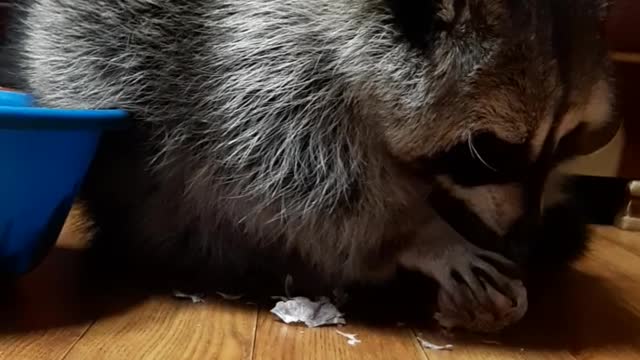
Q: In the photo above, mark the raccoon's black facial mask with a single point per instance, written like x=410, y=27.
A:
x=485, y=167
x=483, y=160
x=491, y=192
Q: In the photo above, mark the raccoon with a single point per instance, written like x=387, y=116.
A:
x=336, y=140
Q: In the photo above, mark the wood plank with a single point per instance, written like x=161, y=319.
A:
x=47, y=311
x=626, y=239
x=618, y=268
x=44, y=313
x=626, y=57
x=40, y=345
x=278, y=341
x=168, y=328
x=591, y=313
x=607, y=308
x=485, y=348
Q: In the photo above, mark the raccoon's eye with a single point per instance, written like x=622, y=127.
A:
x=484, y=159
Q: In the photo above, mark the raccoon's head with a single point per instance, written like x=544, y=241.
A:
x=502, y=91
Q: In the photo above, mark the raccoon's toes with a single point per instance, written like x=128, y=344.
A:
x=479, y=289
x=476, y=296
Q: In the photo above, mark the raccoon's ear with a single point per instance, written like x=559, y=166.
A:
x=418, y=20
x=451, y=11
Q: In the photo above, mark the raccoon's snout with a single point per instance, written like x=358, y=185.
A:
x=484, y=215
x=508, y=219
x=499, y=217
x=498, y=206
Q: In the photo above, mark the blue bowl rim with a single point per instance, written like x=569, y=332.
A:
x=27, y=117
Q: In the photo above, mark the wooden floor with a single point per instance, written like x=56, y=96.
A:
x=593, y=314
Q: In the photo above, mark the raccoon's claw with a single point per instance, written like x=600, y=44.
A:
x=476, y=296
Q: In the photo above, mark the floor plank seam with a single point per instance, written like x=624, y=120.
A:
x=255, y=334
x=66, y=354
x=421, y=350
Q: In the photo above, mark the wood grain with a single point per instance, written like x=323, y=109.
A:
x=593, y=312
x=612, y=315
x=41, y=345
x=488, y=349
x=626, y=239
x=278, y=341
x=166, y=328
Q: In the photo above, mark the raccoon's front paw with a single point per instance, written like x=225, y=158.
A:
x=479, y=290
x=475, y=295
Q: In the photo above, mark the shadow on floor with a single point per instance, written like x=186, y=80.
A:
x=575, y=312
x=60, y=293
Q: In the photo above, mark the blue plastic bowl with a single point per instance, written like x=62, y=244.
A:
x=44, y=156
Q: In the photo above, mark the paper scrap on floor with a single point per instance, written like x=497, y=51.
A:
x=351, y=338
x=431, y=346
x=194, y=298
x=230, y=297
x=312, y=313
x=491, y=342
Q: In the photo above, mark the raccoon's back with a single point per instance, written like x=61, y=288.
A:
x=144, y=54
x=245, y=100
x=102, y=54
x=240, y=79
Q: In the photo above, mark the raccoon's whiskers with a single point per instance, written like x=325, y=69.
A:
x=475, y=154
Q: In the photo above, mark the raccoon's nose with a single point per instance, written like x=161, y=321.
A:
x=521, y=238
